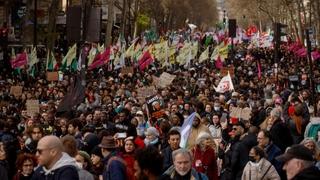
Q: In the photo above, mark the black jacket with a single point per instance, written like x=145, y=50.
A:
x=311, y=173
x=240, y=155
x=62, y=173
x=167, y=158
x=64, y=169
x=280, y=135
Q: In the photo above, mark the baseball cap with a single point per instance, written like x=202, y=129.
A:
x=297, y=151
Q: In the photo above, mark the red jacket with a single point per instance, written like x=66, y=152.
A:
x=129, y=160
x=205, y=162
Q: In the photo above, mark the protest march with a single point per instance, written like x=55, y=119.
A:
x=222, y=104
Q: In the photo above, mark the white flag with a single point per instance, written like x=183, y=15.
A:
x=225, y=84
x=186, y=129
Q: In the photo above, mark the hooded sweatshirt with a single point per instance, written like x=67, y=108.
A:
x=64, y=169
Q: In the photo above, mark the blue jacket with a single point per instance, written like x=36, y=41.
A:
x=64, y=169
x=273, y=151
x=115, y=168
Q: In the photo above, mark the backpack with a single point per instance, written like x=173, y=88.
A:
x=313, y=131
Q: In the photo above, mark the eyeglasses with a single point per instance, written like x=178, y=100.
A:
x=234, y=129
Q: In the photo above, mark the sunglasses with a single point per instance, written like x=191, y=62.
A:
x=234, y=129
x=40, y=151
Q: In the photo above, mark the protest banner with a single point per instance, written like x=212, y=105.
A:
x=32, y=107
x=52, y=76
x=16, y=91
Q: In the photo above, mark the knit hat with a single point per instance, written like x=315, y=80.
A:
x=152, y=131
x=86, y=156
x=202, y=136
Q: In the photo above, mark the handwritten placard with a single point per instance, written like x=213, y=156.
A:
x=243, y=113
x=145, y=92
x=16, y=91
x=127, y=70
x=52, y=76
x=32, y=107
x=165, y=79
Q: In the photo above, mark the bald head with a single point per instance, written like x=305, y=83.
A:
x=49, y=151
x=52, y=142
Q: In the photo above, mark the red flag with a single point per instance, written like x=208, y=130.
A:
x=218, y=63
x=101, y=59
x=20, y=60
x=145, y=60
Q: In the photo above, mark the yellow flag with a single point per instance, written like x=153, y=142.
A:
x=204, y=55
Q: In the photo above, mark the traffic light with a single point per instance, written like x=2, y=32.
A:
x=279, y=31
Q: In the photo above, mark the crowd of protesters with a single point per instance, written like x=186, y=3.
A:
x=110, y=134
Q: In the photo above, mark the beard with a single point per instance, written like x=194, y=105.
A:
x=182, y=173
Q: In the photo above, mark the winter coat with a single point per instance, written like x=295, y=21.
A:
x=272, y=152
x=240, y=155
x=129, y=160
x=191, y=142
x=264, y=171
x=85, y=175
x=115, y=168
x=311, y=173
x=171, y=174
x=280, y=135
x=4, y=170
x=215, y=131
x=205, y=162
x=64, y=169
x=167, y=157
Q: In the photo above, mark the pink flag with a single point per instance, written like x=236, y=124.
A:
x=259, y=70
x=145, y=60
x=20, y=60
x=315, y=55
x=301, y=52
x=218, y=63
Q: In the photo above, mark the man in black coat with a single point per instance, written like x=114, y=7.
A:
x=174, y=141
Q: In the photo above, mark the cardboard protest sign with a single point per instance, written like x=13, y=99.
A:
x=145, y=92
x=127, y=70
x=52, y=76
x=16, y=90
x=165, y=79
x=155, y=108
x=243, y=113
x=155, y=81
x=32, y=107
x=224, y=71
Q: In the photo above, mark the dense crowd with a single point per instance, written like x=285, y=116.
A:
x=111, y=134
